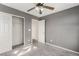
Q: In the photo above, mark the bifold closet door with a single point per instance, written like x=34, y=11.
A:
x=5, y=32
x=17, y=31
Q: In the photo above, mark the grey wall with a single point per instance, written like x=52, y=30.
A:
x=62, y=28
x=28, y=19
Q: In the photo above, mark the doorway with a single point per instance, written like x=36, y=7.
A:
x=38, y=31
x=41, y=31
x=17, y=31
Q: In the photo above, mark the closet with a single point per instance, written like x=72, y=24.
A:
x=11, y=31
x=17, y=31
x=5, y=32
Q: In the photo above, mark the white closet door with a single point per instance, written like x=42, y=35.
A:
x=5, y=32
x=41, y=33
x=17, y=31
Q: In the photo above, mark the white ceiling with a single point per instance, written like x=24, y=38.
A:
x=25, y=6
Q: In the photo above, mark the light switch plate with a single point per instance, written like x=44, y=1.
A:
x=29, y=29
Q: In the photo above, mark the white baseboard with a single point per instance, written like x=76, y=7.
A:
x=62, y=48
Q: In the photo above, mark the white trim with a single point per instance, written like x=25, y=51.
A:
x=24, y=31
x=62, y=48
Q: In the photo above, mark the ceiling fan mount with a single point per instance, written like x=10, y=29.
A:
x=40, y=7
x=39, y=4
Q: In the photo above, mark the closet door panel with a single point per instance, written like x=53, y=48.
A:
x=17, y=31
x=5, y=32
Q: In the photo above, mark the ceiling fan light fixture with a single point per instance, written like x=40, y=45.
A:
x=39, y=8
x=42, y=9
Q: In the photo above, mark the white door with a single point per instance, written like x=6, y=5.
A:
x=41, y=31
x=38, y=30
x=5, y=32
x=35, y=29
x=17, y=31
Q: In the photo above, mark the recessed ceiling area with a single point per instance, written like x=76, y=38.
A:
x=25, y=6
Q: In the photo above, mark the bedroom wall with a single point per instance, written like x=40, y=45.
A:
x=28, y=19
x=62, y=28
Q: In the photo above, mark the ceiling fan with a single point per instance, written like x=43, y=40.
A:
x=40, y=7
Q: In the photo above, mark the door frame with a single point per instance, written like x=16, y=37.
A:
x=23, y=27
x=38, y=30
x=11, y=19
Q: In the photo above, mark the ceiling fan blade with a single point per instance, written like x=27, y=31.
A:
x=30, y=9
x=40, y=12
x=48, y=7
